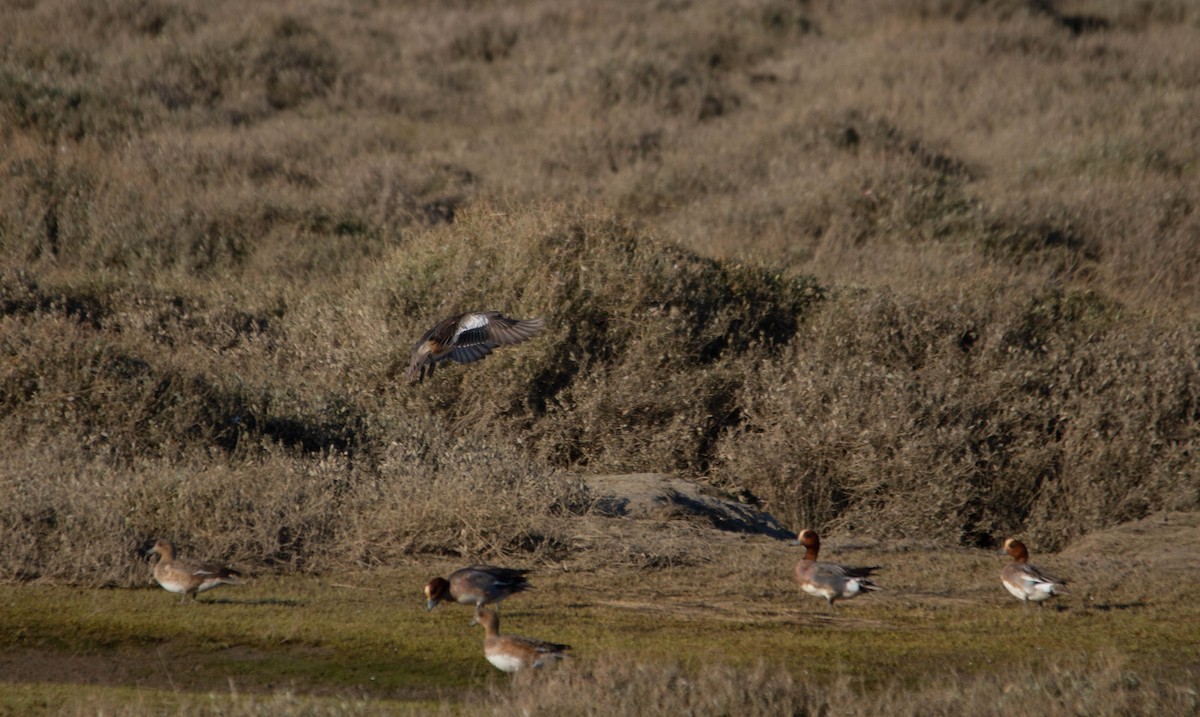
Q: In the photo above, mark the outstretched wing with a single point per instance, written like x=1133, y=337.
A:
x=477, y=334
x=467, y=338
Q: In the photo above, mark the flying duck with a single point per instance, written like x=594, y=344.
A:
x=466, y=338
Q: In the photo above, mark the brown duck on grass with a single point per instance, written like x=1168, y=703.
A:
x=1024, y=580
x=829, y=580
x=510, y=652
x=466, y=338
x=189, y=577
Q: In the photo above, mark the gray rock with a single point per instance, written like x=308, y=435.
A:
x=663, y=497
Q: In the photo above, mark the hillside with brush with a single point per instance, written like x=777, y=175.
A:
x=918, y=275
x=219, y=245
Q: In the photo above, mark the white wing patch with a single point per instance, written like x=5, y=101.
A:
x=1027, y=587
x=469, y=323
x=1039, y=590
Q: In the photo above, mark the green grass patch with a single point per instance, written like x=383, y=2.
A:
x=367, y=637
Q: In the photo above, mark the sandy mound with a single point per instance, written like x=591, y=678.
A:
x=1164, y=541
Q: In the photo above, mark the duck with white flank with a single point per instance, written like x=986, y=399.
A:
x=828, y=580
x=510, y=652
x=189, y=577
x=467, y=338
x=1024, y=580
x=476, y=585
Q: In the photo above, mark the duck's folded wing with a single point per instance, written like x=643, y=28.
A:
x=863, y=572
x=1039, y=575
x=205, y=570
x=545, y=648
x=489, y=577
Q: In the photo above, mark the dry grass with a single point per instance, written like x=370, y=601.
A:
x=925, y=270
x=271, y=428
x=1096, y=686
x=1001, y=416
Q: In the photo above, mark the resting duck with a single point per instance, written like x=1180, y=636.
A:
x=466, y=338
x=1024, y=580
x=511, y=653
x=189, y=577
x=828, y=580
x=476, y=585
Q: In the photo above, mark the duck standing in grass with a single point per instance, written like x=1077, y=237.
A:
x=476, y=585
x=510, y=652
x=828, y=580
x=1024, y=580
x=189, y=577
x=466, y=338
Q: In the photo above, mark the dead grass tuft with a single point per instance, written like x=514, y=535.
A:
x=612, y=685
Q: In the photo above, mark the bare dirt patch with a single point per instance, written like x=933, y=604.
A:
x=1168, y=541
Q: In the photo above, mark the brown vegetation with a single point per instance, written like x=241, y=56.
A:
x=927, y=269
x=1096, y=686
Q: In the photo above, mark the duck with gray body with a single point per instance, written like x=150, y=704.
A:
x=1025, y=580
x=476, y=585
x=829, y=580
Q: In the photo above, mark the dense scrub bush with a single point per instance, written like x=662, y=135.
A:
x=648, y=343
x=296, y=64
x=971, y=423
x=648, y=346
x=54, y=112
x=961, y=419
